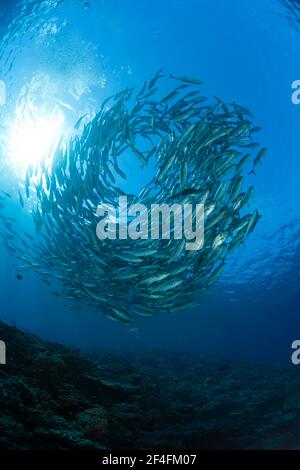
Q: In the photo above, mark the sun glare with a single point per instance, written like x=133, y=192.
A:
x=33, y=139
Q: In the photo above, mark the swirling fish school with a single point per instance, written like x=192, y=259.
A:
x=198, y=151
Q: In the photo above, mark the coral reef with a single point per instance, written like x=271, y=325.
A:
x=53, y=397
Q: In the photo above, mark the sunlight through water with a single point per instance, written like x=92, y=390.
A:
x=33, y=138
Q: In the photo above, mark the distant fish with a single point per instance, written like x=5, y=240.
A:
x=190, y=80
x=258, y=160
x=21, y=200
x=77, y=125
x=65, y=105
x=134, y=331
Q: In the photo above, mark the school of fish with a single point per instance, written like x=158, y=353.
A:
x=202, y=152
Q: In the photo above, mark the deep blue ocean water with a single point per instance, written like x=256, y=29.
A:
x=68, y=56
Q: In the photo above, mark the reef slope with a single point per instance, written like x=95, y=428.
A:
x=55, y=397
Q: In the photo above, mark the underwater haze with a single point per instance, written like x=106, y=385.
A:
x=60, y=60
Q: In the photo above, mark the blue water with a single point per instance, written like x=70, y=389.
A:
x=70, y=55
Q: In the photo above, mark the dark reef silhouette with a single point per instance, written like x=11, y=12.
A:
x=53, y=397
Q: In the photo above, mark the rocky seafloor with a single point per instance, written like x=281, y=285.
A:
x=53, y=397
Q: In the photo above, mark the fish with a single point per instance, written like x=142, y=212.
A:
x=169, y=97
x=243, y=163
x=196, y=146
x=79, y=121
x=156, y=77
x=236, y=186
x=219, y=240
x=185, y=79
x=254, y=219
x=258, y=160
x=187, y=192
x=21, y=199
x=139, y=154
x=156, y=278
